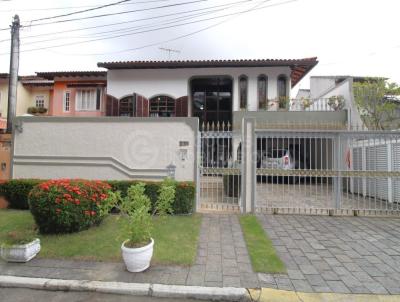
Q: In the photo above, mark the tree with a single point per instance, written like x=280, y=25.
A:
x=378, y=103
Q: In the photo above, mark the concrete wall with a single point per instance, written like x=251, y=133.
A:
x=104, y=148
x=319, y=85
x=175, y=82
x=320, y=118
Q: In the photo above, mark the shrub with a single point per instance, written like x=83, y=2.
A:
x=16, y=192
x=65, y=206
x=184, y=196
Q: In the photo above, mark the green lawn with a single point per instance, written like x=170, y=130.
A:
x=175, y=239
x=262, y=252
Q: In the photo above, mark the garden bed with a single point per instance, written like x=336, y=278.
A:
x=176, y=238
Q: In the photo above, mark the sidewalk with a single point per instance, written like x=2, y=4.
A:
x=222, y=261
x=323, y=254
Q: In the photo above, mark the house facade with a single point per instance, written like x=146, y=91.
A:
x=210, y=90
x=76, y=93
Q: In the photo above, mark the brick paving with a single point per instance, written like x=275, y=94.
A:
x=336, y=254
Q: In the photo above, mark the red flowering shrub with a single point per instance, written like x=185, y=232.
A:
x=65, y=206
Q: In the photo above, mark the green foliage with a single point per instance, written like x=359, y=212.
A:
x=176, y=238
x=36, y=110
x=185, y=193
x=336, y=102
x=375, y=109
x=283, y=102
x=263, y=256
x=166, y=197
x=19, y=237
x=306, y=102
x=16, y=192
x=136, y=207
x=65, y=206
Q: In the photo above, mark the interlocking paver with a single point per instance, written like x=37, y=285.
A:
x=345, y=254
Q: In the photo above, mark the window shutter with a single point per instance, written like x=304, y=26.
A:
x=111, y=106
x=181, y=107
x=142, y=106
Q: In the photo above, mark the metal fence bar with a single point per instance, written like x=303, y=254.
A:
x=347, y=172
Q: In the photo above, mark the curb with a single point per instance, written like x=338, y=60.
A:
x=133, y=289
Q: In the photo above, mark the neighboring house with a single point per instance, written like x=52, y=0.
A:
x=32, y=91
x=322, y=88
x=69, y=93
x=303, y=93
x=76, y=93
x=211, y=90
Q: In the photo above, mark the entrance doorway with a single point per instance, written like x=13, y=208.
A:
x=212, y=99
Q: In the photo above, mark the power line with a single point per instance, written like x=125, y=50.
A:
x=130, y=29
x=134, y=21
x=81, y=11
x=119, y=13
x=158, y=43
x=73, y=7
x=112, y=14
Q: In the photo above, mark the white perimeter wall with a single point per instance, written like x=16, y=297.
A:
x=175, y=82
x=104, y=148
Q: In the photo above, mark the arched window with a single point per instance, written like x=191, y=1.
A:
x=282, y=86
x=243, y=87
x=162, y=106
x=262, y=88
x=282, y=91
x=126, y=106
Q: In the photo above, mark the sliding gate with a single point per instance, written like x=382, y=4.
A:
x=327, y=172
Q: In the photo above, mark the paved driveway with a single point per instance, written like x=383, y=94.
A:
x=336, y=254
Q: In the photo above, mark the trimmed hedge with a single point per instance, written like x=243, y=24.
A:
x=67, y=206
x=185, y=193
x=16, y=191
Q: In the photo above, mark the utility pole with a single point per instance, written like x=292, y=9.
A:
x=13, y=76
x=169, y=50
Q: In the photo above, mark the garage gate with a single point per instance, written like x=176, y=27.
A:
x=337, y=172
x=332, y=172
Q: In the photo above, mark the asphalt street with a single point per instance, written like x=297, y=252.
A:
x=29, y=295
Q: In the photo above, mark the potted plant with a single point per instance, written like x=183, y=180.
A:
x=20, y=246
x=306, y=103
x=283, y=103
x=336, y=102
x=137, y=250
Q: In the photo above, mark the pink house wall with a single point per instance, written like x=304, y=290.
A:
x=57, y=101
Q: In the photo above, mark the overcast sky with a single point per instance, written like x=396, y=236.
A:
x=349, y=37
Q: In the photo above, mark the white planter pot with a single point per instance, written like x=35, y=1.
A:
x=21, y=253
x=137, y=259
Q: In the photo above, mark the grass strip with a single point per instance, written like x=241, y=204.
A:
x=264, y=258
